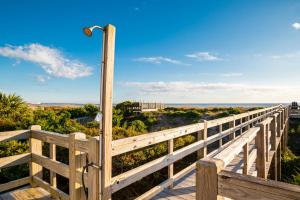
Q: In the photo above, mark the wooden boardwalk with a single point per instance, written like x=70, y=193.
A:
x=261, y=136
x=185, y=187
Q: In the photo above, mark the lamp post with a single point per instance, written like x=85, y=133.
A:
x=106, y=94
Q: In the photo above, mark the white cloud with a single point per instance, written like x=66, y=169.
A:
x=296, y=25
x=231, y=74
x=203, y=56
x=52, y=60
x=42, y=79
x=286, y=56
x=190, y=87
x=159, y=60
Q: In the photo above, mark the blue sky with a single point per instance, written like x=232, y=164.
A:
x=166, y=51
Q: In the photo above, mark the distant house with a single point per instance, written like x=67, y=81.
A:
x=144, y=107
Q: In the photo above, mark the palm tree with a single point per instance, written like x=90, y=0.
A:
x=11, y=106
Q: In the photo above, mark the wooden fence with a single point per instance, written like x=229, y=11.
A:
x=79, y=149
x=228, y=127
x=270, y=136
x=239, y=131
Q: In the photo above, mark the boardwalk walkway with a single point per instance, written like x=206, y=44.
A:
x=247, y=143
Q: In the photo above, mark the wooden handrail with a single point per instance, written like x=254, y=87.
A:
x=91, y=147
x=217, y=182
x=238, y=186
x=120, y=181
x=136, y=142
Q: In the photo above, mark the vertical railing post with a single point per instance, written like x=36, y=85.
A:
x=171, y=166
x=201, y=153
x=267, y=142
x=279, y=162
x=241, y=129
x=94, y=173
x=220, y=140
x=207, y=170
x=35, y=147
x=107, y=95
x=278, y=124
x=53, y=181
x=273, y=132
x=246, y=158
x=75, y=188
x=261, y=151
x=273, y=126
x=247, y=120
x=232, y=125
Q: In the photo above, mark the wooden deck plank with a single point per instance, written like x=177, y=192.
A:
x=26, y=194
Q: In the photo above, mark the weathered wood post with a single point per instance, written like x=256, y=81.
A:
x=220, y=140
x=107, y=95
x=93, y=172
x=267, y=142
x=273, y=169
x=232, y=125
x=278, y=124
x=35, y=147
x=75, y=188
x=207, y=170
x=202, y=135
x=261, y=151
x=246, y=158
x=171, y=166
x=53, y=181
x=279, y=162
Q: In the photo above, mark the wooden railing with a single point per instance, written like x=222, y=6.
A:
x=231, y=127
x=237, y=129
x=270, y=137
x=79, y=149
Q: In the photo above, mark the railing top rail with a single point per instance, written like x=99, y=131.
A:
x=136, y=142
x=228, y=154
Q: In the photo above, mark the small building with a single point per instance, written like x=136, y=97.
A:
x=145, y=107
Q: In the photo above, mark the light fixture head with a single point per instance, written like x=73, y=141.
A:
x=88, y=31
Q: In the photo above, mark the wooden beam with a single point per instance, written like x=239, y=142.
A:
x=246, y=158
x=51, y=137
x=93, y=172
x=35, y=147
x=53, y=181
x=14, y=135
x=221, y=140
x=203, y=152
x=107, y=95
x=171, y=166
x=261, y=151
x=14, y=160
x=207, y=178
x=75, y=191
x=238, y=186
x=14, y=184
x=55, y=166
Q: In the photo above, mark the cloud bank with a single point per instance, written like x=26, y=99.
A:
x=52, y=60
x=203, y=56
x=181, y=86
x=159, y=60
